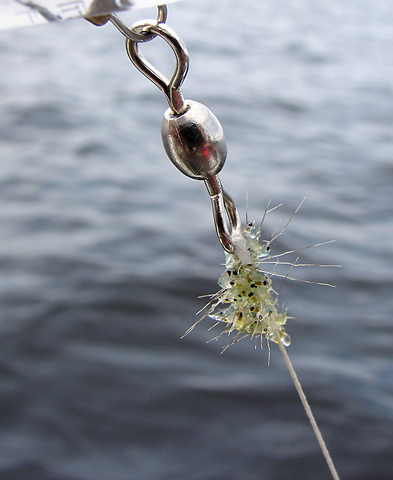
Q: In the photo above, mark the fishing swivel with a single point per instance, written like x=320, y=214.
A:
x=195, y=143
x=192, y=136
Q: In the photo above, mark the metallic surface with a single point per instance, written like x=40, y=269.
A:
x=232, y=211
x=219, y=202
x=193, y=138
x=141, y=35
x=194, y=141
x=171, y=88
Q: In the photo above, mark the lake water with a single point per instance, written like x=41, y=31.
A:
x=105, y=248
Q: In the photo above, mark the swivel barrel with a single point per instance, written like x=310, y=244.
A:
x=194, y=141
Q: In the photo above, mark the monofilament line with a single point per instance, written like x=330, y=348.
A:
x=307, y=407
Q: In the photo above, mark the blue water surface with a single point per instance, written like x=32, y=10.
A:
x=105, y=248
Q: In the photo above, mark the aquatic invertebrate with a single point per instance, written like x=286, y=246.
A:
x=251, y=303
x=247, y=291
x=247, y=302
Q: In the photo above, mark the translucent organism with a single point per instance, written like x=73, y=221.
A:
x=247, y=302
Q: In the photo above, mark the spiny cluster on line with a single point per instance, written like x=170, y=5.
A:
x=246, y=290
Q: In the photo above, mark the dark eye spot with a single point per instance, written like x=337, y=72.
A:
x=234, y=272
x=253, y=285
x=231, y=283
x=267, y=248
x=251, y=294
x=240, y=314
x=252, y=309
x=265, y=282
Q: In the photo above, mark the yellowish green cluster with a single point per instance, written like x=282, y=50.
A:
x=247, y=291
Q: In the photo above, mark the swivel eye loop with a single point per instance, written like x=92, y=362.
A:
x=139, y=35
x=170, y=87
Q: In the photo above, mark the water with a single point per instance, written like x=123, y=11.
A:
x=105, y=248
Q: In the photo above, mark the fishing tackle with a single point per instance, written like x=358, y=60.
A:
x=195, y=143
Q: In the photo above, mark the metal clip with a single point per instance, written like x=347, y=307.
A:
x=171, y=88
x=192, y=136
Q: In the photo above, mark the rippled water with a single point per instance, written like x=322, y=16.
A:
x=105, y=248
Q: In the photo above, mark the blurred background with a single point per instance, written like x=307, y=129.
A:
x=105, y=247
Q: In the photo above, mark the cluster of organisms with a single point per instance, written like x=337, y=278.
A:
x=247, y=302
x=246, y=290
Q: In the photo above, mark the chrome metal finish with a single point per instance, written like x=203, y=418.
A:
x=193, y=138
x=139, y=34
x=194, y=141
x=171, y=88
x=232, y=212
x=220, y=200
